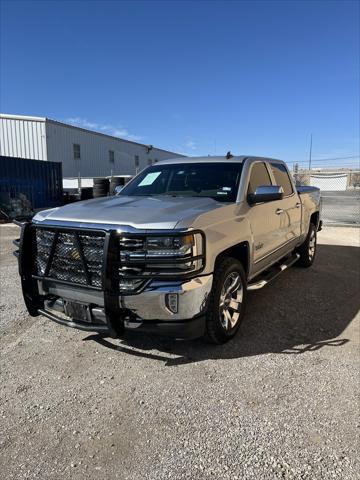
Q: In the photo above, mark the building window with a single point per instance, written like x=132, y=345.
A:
x=137, y=163
x=111, y=156
x=76, y=148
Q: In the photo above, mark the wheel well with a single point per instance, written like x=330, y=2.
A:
x=240, y=252
x=314, y=219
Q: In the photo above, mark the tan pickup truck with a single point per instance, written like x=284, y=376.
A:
x=174, y=253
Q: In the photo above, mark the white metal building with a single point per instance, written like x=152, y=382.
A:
x=82, y=152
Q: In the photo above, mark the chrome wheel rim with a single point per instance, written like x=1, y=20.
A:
x=231, y=298
x=312, y=245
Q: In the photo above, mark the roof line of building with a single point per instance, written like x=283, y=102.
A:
x=22, y=117
x=46, y=119
x=109, y=136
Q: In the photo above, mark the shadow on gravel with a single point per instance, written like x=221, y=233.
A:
x=303, y=310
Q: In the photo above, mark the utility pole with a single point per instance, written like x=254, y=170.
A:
x=310, y=152
x=296, y=173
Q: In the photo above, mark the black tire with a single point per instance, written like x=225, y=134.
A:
x=115, y=182
x=99, y=191
x=307, y=250
x=218, y=329
x=101, y=186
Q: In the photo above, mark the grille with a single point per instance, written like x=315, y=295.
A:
x=75, y=257
x=138, y=264
x=133, y=247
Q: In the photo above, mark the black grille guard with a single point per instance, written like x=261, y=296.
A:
x=34, y=301
x=70, y=256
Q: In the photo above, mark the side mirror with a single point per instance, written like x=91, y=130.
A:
x=118, y=189
x=266, y=193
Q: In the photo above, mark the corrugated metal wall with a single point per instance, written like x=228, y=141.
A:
x=23, y=138
x=94, y=150
x=43, y=139
x=40, y=182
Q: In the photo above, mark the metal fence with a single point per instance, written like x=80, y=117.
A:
x=340, y=189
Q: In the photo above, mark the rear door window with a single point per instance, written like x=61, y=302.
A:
x=259, y=176
x=282, y=177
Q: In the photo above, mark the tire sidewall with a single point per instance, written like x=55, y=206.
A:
x=213, y=322
x=303, y=250
x=310, y=261
x=312, y=229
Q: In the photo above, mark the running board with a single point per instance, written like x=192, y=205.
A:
x=273, y=273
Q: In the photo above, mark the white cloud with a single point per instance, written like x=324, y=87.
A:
x=116, y=131
x=123, y=133
x=190, y=144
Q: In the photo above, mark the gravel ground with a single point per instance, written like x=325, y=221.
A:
x=279, y=401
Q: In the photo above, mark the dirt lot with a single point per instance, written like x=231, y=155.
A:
x=279, y=401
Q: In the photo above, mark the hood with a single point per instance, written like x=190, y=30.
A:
x=155, y=212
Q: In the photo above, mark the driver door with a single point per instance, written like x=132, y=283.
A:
x=263, y=218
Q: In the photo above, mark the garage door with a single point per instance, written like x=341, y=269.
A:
x=329, y=182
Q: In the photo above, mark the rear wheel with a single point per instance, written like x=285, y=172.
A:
x=227, y=301
x=307, y=250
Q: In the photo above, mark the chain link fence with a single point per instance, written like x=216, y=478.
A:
x=340, y=192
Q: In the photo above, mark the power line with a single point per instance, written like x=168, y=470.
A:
x=326, y=160
x=330, y=159
x=301, y=164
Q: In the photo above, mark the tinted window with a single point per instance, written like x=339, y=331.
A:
x=215, y=180
x=258, y=176
x=282, y=177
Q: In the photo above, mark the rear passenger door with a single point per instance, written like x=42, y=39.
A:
x=263, y=218
x=289, y=206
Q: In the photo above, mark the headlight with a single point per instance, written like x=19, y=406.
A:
x=160, y=255
x=170, y=246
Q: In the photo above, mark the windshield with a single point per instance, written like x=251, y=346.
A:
x=214, y=180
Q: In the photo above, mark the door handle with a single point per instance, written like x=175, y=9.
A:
x=298, y=205
x=278, y=211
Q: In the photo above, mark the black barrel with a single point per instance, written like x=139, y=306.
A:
x=86, y=193
x=115, y=182
x=101, y=187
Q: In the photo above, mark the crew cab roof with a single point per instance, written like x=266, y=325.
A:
x=214, y=159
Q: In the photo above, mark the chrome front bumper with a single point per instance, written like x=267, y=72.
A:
x=146, y=311
x=151, y=303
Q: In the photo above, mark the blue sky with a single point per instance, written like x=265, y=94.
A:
x=194, y=77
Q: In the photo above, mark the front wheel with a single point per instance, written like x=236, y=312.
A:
x=227, y=301
x=307, y=250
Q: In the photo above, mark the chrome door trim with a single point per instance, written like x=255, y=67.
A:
x=274, y=251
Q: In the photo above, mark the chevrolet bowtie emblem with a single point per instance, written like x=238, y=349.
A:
x=75, y=255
